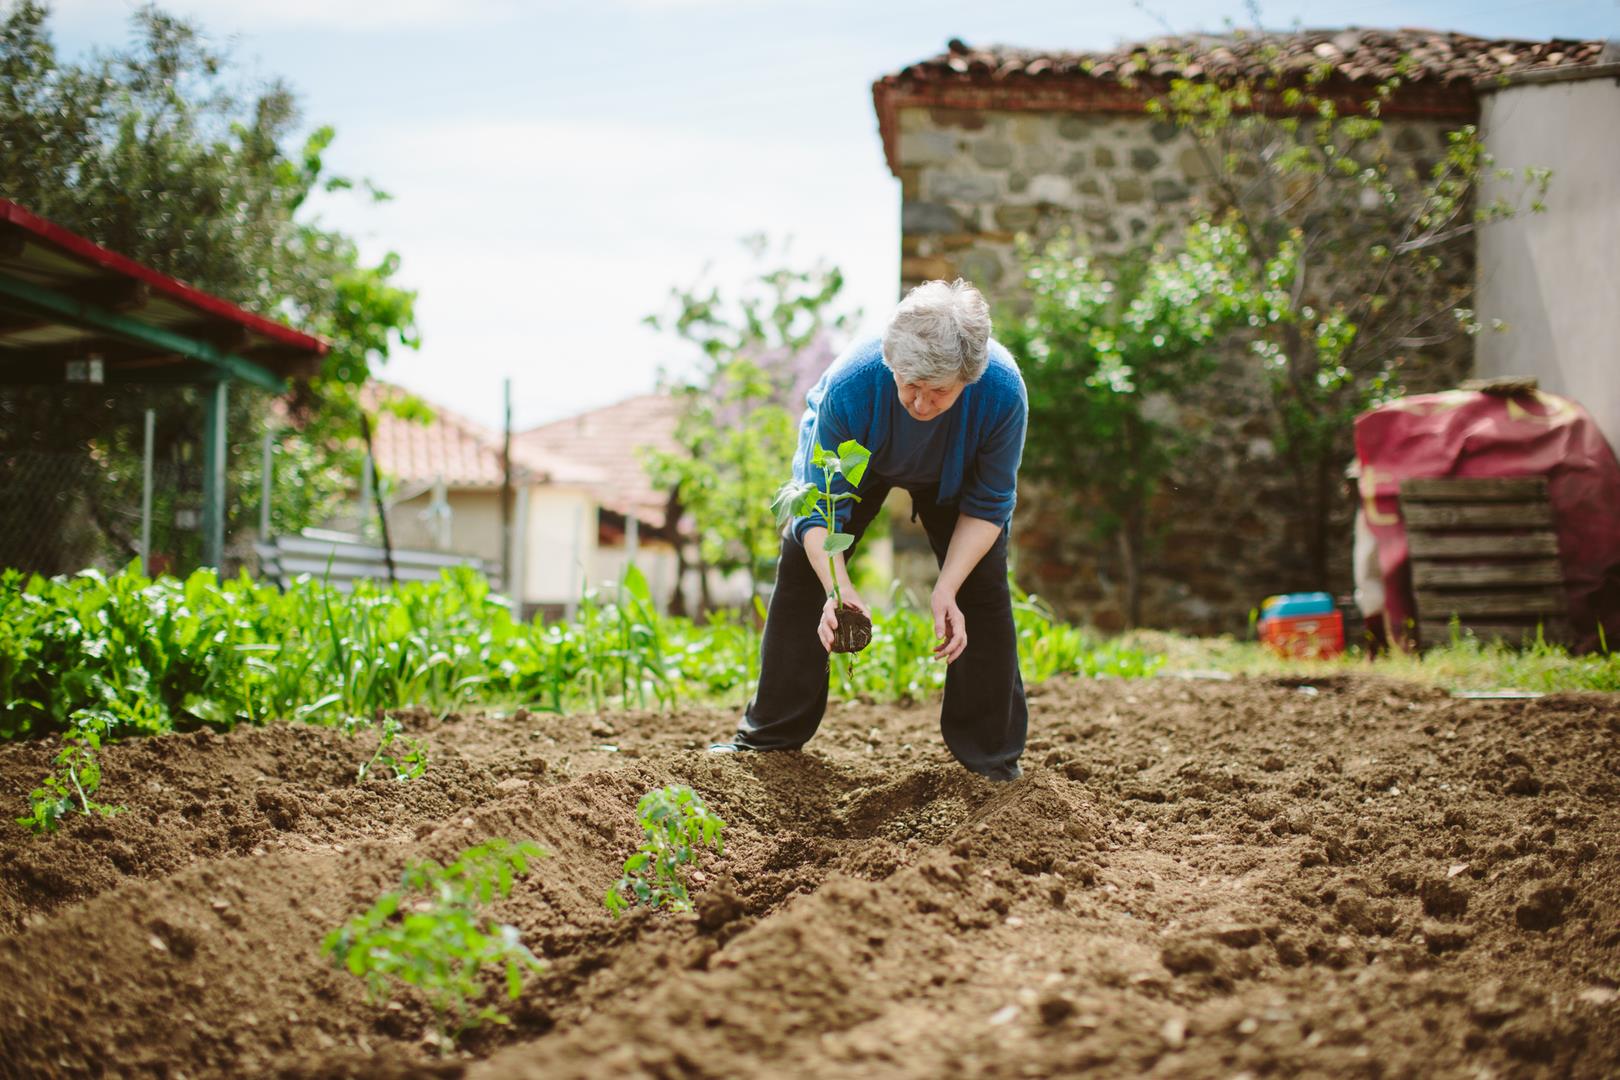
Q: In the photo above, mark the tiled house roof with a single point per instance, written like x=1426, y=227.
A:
x=610, y=441
x=465, y=453
x=1441, y=80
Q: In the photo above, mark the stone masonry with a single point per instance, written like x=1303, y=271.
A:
x=972, y=180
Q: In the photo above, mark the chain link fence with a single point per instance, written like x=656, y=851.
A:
x=68, y=510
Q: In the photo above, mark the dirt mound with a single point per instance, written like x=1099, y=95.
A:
x=1193, y=878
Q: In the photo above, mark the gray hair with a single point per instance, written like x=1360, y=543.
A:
x=939, y=333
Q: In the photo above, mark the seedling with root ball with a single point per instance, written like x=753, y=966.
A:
x=799, y=499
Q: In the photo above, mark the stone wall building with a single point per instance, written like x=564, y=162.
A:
x=991, y=143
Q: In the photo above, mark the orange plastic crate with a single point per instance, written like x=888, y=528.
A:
x=1314, y=637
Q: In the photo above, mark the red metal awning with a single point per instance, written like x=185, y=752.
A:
x=63, y=297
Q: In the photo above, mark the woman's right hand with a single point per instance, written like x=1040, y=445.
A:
x=827, y=629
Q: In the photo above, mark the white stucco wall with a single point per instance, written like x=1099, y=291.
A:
x=475, y=524
x=560, y=544
x=1554, y=277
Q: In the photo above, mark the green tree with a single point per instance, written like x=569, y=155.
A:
x=1359, y=257
x=155, y=152
x=736, y=431
x=1100, y=342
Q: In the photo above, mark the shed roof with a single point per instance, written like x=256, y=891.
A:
x=1441, y=81
x=63, y=297
x=458, y=450
x=612, y=440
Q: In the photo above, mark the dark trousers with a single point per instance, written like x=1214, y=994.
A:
x=984, y=718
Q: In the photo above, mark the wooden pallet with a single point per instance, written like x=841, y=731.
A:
x=1484, y=552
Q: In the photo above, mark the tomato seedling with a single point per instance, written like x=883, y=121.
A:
x=677, y=826
x=431, y=934
x=800, y=499
x=77, y=777
x=407, y=766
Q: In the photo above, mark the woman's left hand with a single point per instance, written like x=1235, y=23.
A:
x=950, y=629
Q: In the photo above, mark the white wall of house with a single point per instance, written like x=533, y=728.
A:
x=475, y=524
x=1554, y=278
x=655, y=559
x=559, y=544
x=556, y=533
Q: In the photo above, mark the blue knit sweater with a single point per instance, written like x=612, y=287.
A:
x=978, y=459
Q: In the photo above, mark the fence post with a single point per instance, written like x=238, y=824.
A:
x=213, y=522
x=146, y=495
x=264, y=491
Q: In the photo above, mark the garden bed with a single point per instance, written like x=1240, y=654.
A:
x=1354, y=877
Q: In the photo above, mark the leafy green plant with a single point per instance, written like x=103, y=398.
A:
x=736, y=429
x=1108, y=346
x=677, y=826
x=1357, y=258
x=77, y=777
x=800, y=499
x=406, y=766
x=166, y=148
x=164, y=654
x=431, y=933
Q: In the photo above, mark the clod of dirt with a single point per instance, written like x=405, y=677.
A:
x=1055, y=1008
x=1522, y=782
x=717, y=907
x=1533, y=1037
x=1238, y=936
x=1494, y=1002
x=854, y=631
x=1443, y=898
x=1186, y=956
x=1447, y=937
x=1544, y=907
x=282, y=808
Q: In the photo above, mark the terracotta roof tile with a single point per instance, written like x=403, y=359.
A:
x=610, y=441
x=465, y=453
x=1442, y=73
x=1363, y=55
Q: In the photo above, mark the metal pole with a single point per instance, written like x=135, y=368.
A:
x=264, y=491
x=382, y=511
x=506, y=492
x=214, y=420
x=146, y=495
x=368, y=481
x=517, y=588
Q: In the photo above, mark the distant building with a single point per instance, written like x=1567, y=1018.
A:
x=1552, y=278
x=578, y=517
x=987, y=143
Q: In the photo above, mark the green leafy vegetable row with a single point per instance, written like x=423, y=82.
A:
x=146, y=656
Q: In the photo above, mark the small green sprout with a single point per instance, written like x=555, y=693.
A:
x=408, y=766
x=799, y=499
x=676, y=822
x=429, y=933
x=77, y=776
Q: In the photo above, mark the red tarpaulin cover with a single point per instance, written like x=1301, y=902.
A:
x=1468, y=433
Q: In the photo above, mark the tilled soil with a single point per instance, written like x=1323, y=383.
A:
x=1350, y=877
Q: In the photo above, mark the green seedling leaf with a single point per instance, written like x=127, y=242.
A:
x=838, y=541
x=675, y=823
x=852, y=460
x=443, y=941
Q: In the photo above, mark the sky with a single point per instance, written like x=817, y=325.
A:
x=557, y=166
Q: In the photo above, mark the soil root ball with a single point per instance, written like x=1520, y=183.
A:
x=854, y=631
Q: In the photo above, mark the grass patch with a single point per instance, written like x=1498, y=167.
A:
x=1465, y=663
